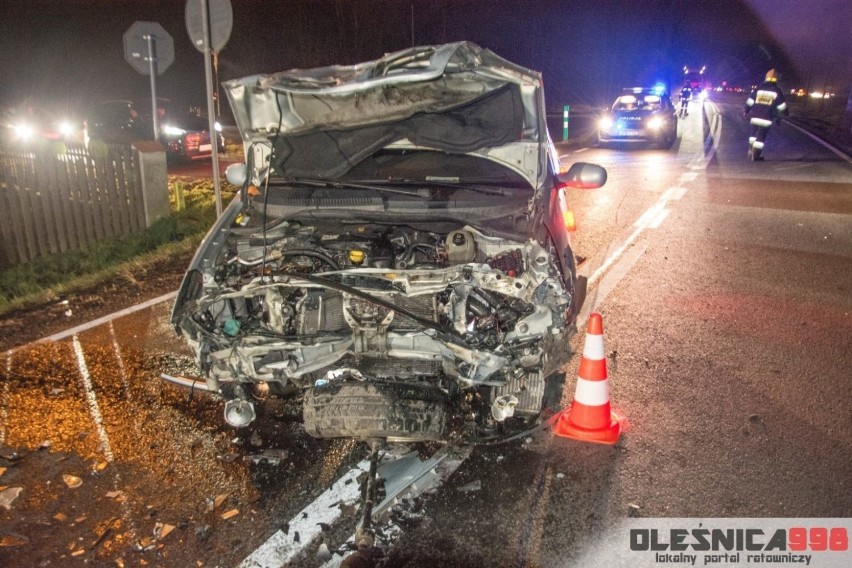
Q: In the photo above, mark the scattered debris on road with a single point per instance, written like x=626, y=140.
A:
x=7, y=496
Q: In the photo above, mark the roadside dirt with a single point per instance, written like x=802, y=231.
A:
x=23, y=326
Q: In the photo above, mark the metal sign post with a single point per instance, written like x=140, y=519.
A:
x=211, y=118
x=208, y=23
x=152, y=67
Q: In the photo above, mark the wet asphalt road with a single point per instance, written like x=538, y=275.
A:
x=725, y=292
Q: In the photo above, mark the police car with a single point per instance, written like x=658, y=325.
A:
x=640, y=115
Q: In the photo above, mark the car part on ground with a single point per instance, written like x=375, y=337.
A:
x=397, y=259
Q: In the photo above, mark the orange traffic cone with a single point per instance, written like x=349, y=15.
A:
x=590, y=418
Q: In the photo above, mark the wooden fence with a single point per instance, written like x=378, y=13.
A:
x=55, y=202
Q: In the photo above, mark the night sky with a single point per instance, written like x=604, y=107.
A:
x=70, y=52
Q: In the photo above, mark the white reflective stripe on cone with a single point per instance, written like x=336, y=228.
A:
x=592, y=393
x=594, y=348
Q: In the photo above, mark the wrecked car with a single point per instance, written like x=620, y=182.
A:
x=397, y=259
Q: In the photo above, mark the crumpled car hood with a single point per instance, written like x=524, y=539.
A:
x=458, y=97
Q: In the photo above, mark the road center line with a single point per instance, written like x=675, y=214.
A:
x=649, y=219
x=701, y=162
x=92, y=399
x=608, y=284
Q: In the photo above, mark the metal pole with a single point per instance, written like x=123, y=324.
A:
x=216, y=83
x=211, y=112
x=152, y=70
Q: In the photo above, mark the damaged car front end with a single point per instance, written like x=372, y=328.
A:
x=398, y=258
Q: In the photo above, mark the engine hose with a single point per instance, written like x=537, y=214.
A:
x=314, y=253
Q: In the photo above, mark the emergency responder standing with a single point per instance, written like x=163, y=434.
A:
x=766, y=104
x=685, y=93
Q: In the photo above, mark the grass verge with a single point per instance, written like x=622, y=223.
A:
x=45, y=279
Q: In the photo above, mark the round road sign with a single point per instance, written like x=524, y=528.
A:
x=136, y=47
x=221, y=18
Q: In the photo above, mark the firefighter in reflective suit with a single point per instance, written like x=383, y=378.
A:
x=766, y=104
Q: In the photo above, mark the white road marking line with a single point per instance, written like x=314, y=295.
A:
x=649, y=219
x=655, y=223
x=701, y=162
x=92, y=399
x=650, y=214
x=102, y=320
x=282, y=547
x=821, y=141
x=678, y=192
x=614, y=256
x=608, y=284
x=673, y=193
x=4, y=399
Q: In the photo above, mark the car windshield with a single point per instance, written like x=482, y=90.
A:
x=637, y=102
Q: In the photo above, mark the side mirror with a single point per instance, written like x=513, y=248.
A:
x=583, y=176
x=236, y=174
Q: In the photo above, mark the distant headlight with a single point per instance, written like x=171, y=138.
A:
x=217, y=126
x=23, y=131
x=170, y=130
x=703, y=95
x=605, y=123
x=655, y=123
x=66, y=128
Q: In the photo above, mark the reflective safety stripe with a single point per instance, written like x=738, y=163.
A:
x=761, y=122
x=592, y=393
x=751, y=139
x=758, y=145
x=766, y=97
x=749, y=101
x=782, y=106
x=594, y=348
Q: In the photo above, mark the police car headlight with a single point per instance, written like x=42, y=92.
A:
x=66, y=128
x=605, y=123
x=170, y=130
x=655, y=123
x=23, y=131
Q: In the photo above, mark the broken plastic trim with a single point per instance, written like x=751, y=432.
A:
x=188, y=382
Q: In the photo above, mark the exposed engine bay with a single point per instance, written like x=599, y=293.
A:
x=439, y=327
x=399, y=259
